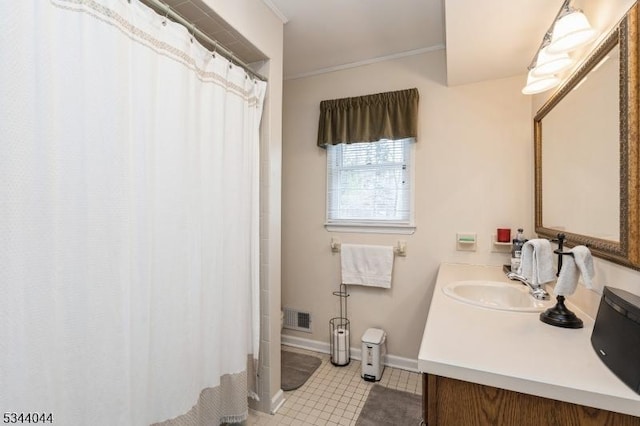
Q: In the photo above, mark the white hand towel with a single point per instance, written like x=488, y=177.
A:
x=568, y=278
x=366, y=265
x=581, y=263
x=584, y=262
x=537, y=261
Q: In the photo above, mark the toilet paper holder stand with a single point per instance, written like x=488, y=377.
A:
x=340, y=336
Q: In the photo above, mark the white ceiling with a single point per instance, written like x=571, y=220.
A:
x=485, y=39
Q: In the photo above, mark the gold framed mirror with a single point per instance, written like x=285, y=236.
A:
x=586, y=152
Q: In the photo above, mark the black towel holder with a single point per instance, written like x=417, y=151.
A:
x=560, y=315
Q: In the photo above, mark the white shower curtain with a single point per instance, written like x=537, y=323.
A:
x=129, y=244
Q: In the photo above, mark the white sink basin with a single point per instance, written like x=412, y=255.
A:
x=495, y=295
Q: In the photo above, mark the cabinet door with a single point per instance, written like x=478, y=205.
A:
x=450, y=402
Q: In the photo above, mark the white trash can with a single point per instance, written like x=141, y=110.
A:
x=373, y=352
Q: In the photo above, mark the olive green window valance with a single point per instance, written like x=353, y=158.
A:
x=390, y=115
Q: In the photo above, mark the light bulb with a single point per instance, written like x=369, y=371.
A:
x=539, y=84
x=551, y=63
x=570, y=32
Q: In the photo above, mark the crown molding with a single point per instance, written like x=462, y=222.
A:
x=365, y=62
x=276, y=11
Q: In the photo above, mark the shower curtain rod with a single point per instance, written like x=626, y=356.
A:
x=193, y=29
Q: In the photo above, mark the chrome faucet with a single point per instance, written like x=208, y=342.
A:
x=536, y=291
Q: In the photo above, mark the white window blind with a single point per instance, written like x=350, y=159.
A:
x=369, y=182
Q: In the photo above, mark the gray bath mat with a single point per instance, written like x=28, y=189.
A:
x=391, y=407
x=296, y=369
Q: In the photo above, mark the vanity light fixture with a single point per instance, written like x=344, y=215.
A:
x=569, y=30
x=548, y=63
x=539, y=84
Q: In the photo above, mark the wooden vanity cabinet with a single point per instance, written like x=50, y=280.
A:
x=451, y=402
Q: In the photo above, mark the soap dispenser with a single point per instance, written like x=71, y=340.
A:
x=516, y=250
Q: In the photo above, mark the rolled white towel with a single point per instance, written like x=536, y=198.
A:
x=537, y=261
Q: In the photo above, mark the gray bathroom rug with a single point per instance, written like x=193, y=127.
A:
x=385, y=406
x=296, y=369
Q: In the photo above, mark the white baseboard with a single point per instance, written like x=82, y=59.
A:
x=402, y=363
x=277, y=401
x=299, y=342
x=356, y=353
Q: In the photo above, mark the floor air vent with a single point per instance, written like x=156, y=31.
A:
x=297, y=320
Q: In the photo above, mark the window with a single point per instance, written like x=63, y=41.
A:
x=369, y=142
x=369, y=185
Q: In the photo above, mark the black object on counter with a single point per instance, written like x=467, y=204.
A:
x=561, y=316
x=616, y=335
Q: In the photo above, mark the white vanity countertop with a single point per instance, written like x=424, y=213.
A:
x=515, y=350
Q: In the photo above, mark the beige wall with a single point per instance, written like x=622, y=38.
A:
x=473, y=174
x=265, y=31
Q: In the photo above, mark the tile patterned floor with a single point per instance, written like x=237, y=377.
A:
x=333, y=395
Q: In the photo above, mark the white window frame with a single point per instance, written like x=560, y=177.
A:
x=376, y=226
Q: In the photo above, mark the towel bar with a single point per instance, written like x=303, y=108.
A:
x=335, y=245
x=400, y=249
